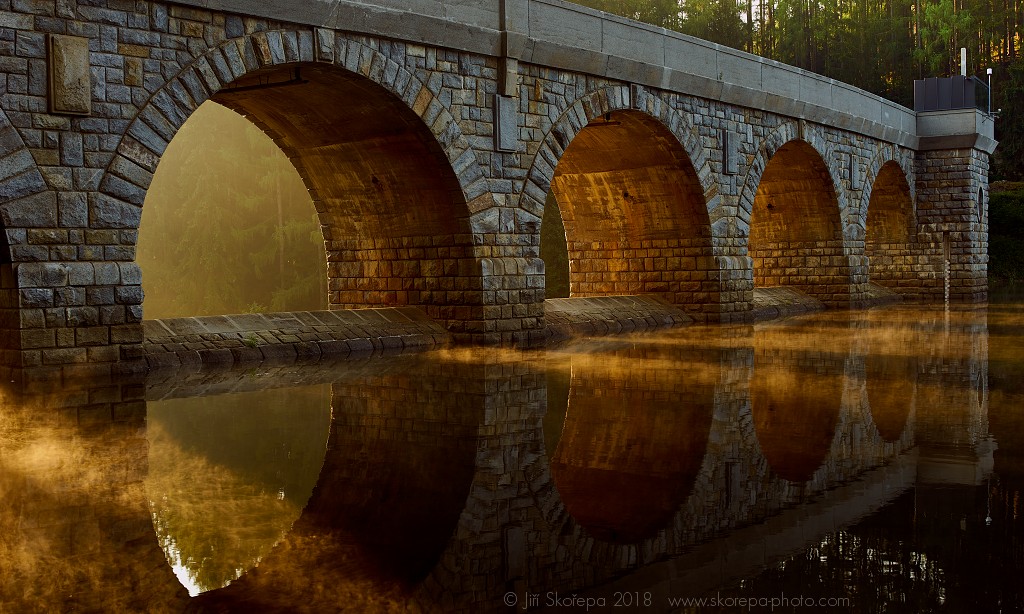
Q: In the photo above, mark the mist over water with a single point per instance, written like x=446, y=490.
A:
x=872, y=458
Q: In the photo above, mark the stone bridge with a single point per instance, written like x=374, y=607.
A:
x=430, y=134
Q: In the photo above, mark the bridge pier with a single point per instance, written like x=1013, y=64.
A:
x=429, y=143
x=952, y=205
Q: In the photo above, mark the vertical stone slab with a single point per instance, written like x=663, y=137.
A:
x=506, y=126
x=70, y=89
x=730, y=153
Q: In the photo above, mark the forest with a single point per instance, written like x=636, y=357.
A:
x=881, y=46
x=228, y=226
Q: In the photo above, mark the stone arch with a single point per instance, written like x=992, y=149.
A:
x=637, y=222
x=889, y=221
x=392, y=178
x=886, y=154
x=794, y=213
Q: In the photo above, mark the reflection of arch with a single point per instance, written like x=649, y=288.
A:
x=795, y=416
x=889, y=383
x=629, y=451
x=259, y=454
x=399, y=466
x=633, y=189
x=389, y=172
x=796, y=219
x=889, y=226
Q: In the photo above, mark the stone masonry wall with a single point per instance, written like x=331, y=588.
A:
x=683, y=271
x=817, y=268
x=952, y=223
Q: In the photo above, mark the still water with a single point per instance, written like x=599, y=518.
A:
x=866, y=461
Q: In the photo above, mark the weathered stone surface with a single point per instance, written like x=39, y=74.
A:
x=256, y=338
x=70, y=88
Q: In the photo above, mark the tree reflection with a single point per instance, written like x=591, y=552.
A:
x=228, y=475
x=930, y=550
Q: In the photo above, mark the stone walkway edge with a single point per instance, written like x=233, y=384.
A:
x=308, y=336
x=300, y=336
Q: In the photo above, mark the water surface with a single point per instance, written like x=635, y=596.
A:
x=865, y=461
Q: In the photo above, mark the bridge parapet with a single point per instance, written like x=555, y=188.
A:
x=571, y=37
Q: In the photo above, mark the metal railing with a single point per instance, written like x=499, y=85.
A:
x=957, y=92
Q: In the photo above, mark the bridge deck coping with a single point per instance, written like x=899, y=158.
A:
x=563, y=35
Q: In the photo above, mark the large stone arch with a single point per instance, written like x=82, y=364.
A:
x=399, y=196
x=637, y=222
x=887, y=220
x=793, y=212
x=885, y=154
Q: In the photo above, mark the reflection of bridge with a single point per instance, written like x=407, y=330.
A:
x=447, y=482
x=429, y=142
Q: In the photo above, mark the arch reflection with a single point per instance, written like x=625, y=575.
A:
x=795, y=399
x=632, y=442
x=890, y=392
x=229, y=474
x=400, y=460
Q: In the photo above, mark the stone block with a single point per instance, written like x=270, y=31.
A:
x=95, y=335
x=70, y=86
x=278, y=353
x=127, y=334
x=64, y=356
x=109, y=212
